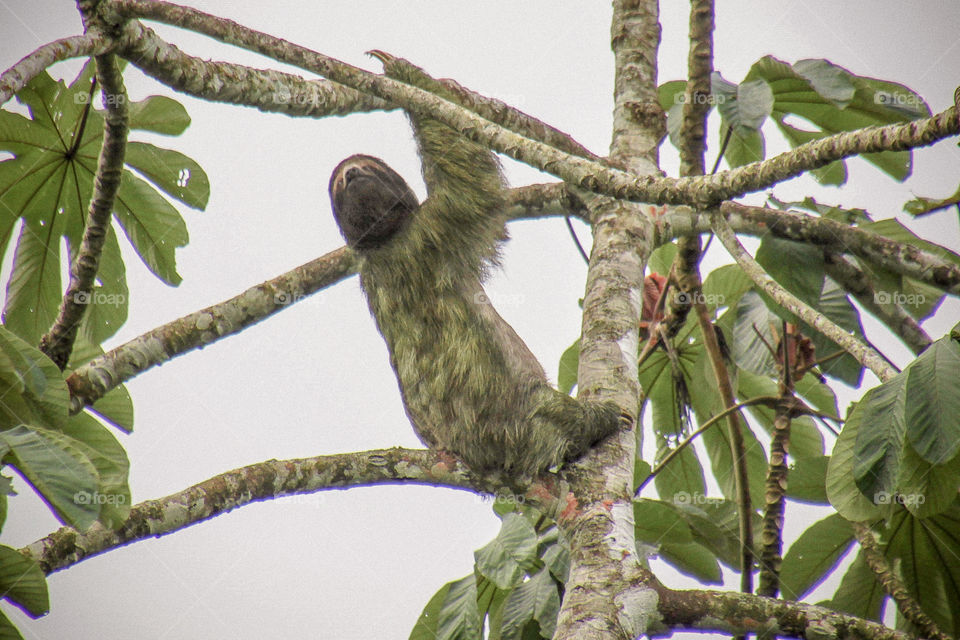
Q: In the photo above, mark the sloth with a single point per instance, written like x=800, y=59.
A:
x=469, y=384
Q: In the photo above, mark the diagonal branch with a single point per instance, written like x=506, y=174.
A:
x=893, y=315
x=262, y=481
x=864, y=354
x=58, y=341
x=908, y=606
x=899, y=257
x=91, y=381
x=588, y=174
x=265, y=89
x=32, y=65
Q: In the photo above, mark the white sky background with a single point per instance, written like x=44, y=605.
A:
x=315, y=379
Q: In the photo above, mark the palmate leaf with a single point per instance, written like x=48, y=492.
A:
x=814, y=555
x=833, y=100
x=49, y=181
x=22, y=582
x=75, y=463
x=927, y=554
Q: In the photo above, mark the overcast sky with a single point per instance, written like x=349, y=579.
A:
x=315, y=379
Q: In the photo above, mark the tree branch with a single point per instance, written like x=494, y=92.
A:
x=16, y=77
x=891, y=583
x=91, y=381
x=865, y=355
x=893, y=315
x=262, y=481
x=599, y=526
x=741, y=613
x=265, y=89
x=881, y=251
x=58, y=341
x=588, y=174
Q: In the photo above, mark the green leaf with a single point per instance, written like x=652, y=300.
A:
x=569, y=362
x=923, y=488
x=921, y=205
x=819, y=395
x=500, y=560
x=32, y=386
x=427, y=624
x=691, y=559
x=57, y=469
x=153, y=226
x=807, y=480
x=745, y=106
x=835, y=305
x=536, y=599
x=671, y=100
x=724, y=286
x=23, y=583
x=842, y=491
x=795, y=265
x=110, y=459
x=33, y=291
x=159, y=114
x=932, y=402
x=830, y=81
x=745, y=145
x=662, y=258
x=459, y=617
x=814, y=555
x=839, y=214
x=176, y=174
x=656, y=521
x=8, y=631
x=816, y=91
x=752, y=334
x=927, y=553
x=877, y=451
x=557, y=560
x=683, y=476
x=859, y=593
x=715, y=525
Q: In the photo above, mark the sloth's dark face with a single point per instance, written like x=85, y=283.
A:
x=371, y=202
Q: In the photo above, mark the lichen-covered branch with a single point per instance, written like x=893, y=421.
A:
x=492, y=109
x=901, y=258
x=741, y=613
x=893, y=585
x=588, y=174
x=892, y=314
x=864, y=354
x=543, y=200
x=265, y=89
x=91, y=381
x=600, y=525
x=263, y=481
x=57, y=343
x=696, y=103
x=17, y=76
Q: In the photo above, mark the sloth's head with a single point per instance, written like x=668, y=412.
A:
x=371, y=202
